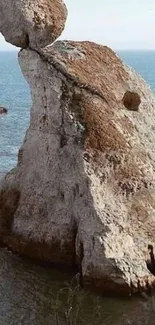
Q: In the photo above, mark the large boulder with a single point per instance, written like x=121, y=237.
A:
x=33, y=23
x=82, y=193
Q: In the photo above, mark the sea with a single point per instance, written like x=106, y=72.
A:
x=32, y=294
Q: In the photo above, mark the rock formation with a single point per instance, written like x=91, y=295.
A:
x=3, y=110
x=82, y=193
x=33, y=23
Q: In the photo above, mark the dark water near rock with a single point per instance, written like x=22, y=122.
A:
x=33, y=295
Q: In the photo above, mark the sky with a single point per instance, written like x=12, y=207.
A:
x=120, y=24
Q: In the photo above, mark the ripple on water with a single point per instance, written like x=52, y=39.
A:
x=31, y=294
x=15, y=95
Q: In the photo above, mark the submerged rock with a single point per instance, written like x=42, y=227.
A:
x=82, y=193
x=33, y=23
x=3, y=110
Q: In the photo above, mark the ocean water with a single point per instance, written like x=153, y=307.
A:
x=15, y=95
x=143, y=62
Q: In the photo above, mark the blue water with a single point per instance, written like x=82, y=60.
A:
x=143, y=62
x=15, y=95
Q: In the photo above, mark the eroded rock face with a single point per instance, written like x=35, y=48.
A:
x=33, y=23
x=83, y=190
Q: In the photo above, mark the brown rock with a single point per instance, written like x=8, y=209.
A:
x=3, y=110
x=131, y=101
x=83, y=190
x=32, y=23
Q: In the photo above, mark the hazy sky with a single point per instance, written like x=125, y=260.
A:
x=120, y=24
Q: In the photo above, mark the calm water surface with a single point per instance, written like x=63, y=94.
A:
x=14, y=95
x=33, y=295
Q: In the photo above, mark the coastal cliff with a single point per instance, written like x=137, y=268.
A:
x=82, y=193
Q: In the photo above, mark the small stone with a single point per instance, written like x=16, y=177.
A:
x=131, y=100
x=3, y=110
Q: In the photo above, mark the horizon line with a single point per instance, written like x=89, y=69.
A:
x=114, y=49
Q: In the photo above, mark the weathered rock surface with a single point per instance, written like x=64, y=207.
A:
x=83, y=190
x=3, y=110
x=33, y=23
